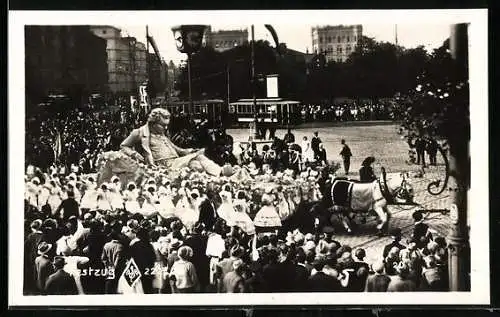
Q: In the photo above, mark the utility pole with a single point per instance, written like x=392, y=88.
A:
x=459, y=158
x=256, y=131
x=396, y=34
x=190, y=108
x=228, y=87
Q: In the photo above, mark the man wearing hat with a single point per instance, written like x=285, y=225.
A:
x=43, y=265
x=60, y=282
x=396, y=238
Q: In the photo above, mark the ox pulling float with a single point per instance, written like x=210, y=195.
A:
x=344, y=198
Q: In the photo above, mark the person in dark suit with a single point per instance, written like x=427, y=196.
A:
x=321, y=282
x=208, y=211
x=302, y=274
x=420, y=145
x=289, y=137
x=69, y=208
x=315, y=141
x=60, y=282
x=432, y=149
x=198, y=242
x=346, y=156
x=396, y=238
x=421, y=234
x=30, y=253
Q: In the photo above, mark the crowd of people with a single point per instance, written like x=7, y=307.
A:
x=362, y=111
x=204, y=234
x=198, y=233
x=184, y=238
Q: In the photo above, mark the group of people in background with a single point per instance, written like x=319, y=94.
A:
x=286, y=153
x=362, y=111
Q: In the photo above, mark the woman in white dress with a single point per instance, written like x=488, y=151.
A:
x=226, y=208
x=115, y=193
x=130, y=196
x=55, y=198
x=307, y=151
x=104, y=198
x=267, y=218
x=187, y=208
x=148, y=208
x=166, y=206
x=89, y=199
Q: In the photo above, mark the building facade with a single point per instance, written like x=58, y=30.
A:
x=336, y=42
x=225, y=39
x=67, y=60
x=127, y=61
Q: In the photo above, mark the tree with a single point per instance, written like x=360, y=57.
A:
x=440, y=108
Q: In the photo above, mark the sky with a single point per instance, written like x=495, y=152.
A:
x=298, y=37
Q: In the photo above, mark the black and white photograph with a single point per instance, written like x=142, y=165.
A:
x=296, y=157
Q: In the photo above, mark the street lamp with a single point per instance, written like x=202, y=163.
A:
x=188, y=39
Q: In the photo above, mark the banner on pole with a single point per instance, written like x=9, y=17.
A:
x=143, y=96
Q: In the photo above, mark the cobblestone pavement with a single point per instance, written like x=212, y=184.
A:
x=391, y=151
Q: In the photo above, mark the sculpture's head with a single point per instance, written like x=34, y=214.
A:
x=159, y=118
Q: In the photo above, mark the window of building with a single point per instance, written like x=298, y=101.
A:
x=321, y=40
x=338, y=39
x=339, y=60
x=355, y=38
x=348, y=48
x=329, y=39
x=348, y=38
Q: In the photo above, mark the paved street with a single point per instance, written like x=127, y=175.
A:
x=391, y=151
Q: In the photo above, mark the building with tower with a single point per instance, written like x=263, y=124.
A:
x=336, y=42
x=223, y=40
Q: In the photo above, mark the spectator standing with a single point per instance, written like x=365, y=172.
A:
x=43, y=266
x=183, y=273
x=321, y=155
x=60, y=282
x=69, y=207
x=289, y=137
x=432, y=148
x=379, y=281
x=315, y=141
x=396, y=238
x=420, y=145
x=346, y=156
x=401, y=282
x=233, y=281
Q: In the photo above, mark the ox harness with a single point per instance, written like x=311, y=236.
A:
x=341, y=193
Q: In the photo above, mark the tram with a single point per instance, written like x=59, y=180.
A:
x=277, y=111
x=212, y=110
